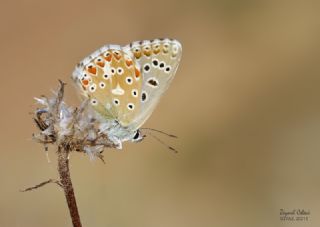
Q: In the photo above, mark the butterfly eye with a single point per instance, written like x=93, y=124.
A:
x=137, y=135
x=93, y=88
x=134, y=93
x=146, y=67
x=102, y=85
x=136, y=49
x=129, y=80
x=116, y=102
x=120, y=70
x=94, y=102
x=130, y=106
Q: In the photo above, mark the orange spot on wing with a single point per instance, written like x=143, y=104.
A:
x=137, y=72
x=156, y=51
x=117, y=56
x=129, y=63
x=137, y=54
x=147, y=53
x=85, y=82
x=108, y=58
x=92, y=69
x=101, y=64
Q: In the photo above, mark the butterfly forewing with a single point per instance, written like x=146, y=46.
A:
x=111, y=81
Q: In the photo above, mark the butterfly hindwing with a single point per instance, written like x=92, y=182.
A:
x=158, y=61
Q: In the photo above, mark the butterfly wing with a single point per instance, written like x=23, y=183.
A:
x=125, y=84
x=111, y=81
x=158, y=61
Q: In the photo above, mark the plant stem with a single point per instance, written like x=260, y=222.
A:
x=64, y=172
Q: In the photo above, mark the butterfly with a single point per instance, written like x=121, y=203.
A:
x=124, y=84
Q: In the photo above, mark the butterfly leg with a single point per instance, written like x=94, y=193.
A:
x=116, y=141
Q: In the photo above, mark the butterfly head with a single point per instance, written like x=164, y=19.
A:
x=137, y=136
x=119, y=134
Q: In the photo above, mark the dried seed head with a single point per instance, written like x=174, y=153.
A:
x=75, y=129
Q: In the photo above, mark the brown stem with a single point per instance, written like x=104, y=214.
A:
x=64, y=172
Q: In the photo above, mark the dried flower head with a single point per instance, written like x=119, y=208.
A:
x=73, y=129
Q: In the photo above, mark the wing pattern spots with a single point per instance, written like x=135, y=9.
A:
x=126, y=83
x=158, y=60
x=108, y=82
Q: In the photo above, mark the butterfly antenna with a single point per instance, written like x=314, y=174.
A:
x=162, y=132
x=163, y=143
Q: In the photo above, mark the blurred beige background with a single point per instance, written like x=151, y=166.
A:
x=245, y=104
